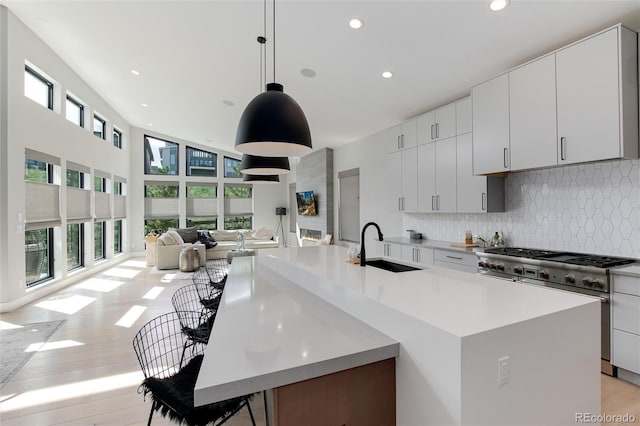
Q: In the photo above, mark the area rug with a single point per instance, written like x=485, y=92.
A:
x=16, y=341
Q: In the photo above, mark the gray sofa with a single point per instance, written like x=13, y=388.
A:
x=169, y=246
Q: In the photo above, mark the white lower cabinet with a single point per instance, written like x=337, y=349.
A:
x=466, y=262
x=421, y=255
x=626, y=322
x=390, y=250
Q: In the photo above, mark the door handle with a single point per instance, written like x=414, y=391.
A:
x=505, y=154
x=417, y=255
x=432, y=132
x=437, y=202
x=562, y=149
x=401, y=141
x=402, y=203
x=398, y=142
x=437, y=130
x=433, y=202
x=484, y=201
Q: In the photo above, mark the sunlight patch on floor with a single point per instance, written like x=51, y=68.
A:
x=135, y=263
x=103, y=285
x=121, y=272
x=131, y=316
x=8, y=326
x=153, y=293
x=42, y=346
x=71, y=390
x=168, y=278
x=66, y=305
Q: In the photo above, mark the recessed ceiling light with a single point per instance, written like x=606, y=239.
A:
x=355, y=23
x=387, y=74
x=135, y=72
x=145, y=105
x=496, y=5
x=307, y=72
x=228, y=103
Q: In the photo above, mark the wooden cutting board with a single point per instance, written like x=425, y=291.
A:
x=464, y=245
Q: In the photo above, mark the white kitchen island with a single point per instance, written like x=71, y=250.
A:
x=454, y=330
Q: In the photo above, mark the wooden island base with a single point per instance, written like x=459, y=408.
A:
x=363, y=395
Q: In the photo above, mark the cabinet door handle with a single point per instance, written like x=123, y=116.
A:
x=437, y=130
x=432, y=132
x=402, y=203
x=398, y=142
x=562, y=149
x=505, y=154
x=453, y=257
x=433, y=202
x=401, y=141
x=484, y=201
x=417, y=255
x=437, y=202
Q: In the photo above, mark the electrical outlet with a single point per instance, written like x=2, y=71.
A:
x=503, y=370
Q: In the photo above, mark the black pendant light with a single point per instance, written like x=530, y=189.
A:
x=261, y=178
x=273, y=124
x=254, y=165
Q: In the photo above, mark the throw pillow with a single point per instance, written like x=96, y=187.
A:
x=189, y=235
x=172, y=238
x=264, y=234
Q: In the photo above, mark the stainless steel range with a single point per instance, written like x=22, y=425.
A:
x=580, y=273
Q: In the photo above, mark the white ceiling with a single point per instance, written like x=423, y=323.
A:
x=192, y=55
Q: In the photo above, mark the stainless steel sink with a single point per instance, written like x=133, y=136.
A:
x=390, y=266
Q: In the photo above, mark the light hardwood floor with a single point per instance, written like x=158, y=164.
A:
x=92, y=378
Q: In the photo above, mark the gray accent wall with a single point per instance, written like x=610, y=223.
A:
x=314, y=173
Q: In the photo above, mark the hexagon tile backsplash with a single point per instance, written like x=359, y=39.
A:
x=590, y=208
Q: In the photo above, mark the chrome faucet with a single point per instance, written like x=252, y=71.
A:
x=363, y=256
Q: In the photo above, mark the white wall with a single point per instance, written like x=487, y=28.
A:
x=26, y=124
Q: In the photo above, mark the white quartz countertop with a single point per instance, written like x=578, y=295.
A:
x=435, y=244
x=270, y=332
x=632, y=270
x=457, y=302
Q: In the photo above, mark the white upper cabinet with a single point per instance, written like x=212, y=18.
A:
x=437, y=176
x=437, y=124
x=394, y=185
x=490, y=112
x=597, y=98
x=463, y=116
x=403, y=180
x=402, y=136
x=532, y=106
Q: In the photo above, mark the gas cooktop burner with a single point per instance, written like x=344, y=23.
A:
x=562, y=257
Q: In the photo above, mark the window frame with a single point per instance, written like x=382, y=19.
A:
x=44, y=80
x=188, y=165
x=117, y=236
x=104, y=126
x=173, y=160
x=237, y=173
x=119, y=133
x=103, y=184
x=103, y=249
x=80, y=247
x=50, y=259
x=80, y=105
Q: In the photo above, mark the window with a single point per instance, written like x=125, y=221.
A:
x=75, y=179
x=201, y=163
x=160, y=157
x=75, y=246
x=159, y=225
x=98, y=236
x=99, y=127
x=201, y=191
x=208, y=223
x=38, y=88
x=236, y=191
x=38, y=250
x=160, y=191
x=75, y=112
x=117, y=138
x=238, y=222
x=38, y=171
x=232, y=167
x=117, y=236
x=99, y=184
x=117, y=187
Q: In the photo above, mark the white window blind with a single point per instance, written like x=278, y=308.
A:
x=158, y=208
x=41, y=156
x=78, y=167
x=119, y=206
x=238, y=206
x=78, y=204
x=42, y=203
x=102, y=205
x=202, y=207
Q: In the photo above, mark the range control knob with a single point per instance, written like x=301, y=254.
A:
x=598, y=283
x=492, y=266
x=500, y=267
x=518, y=270
x=544, y=275
x=588, y=282
x=571, y=279
x=481, y=264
